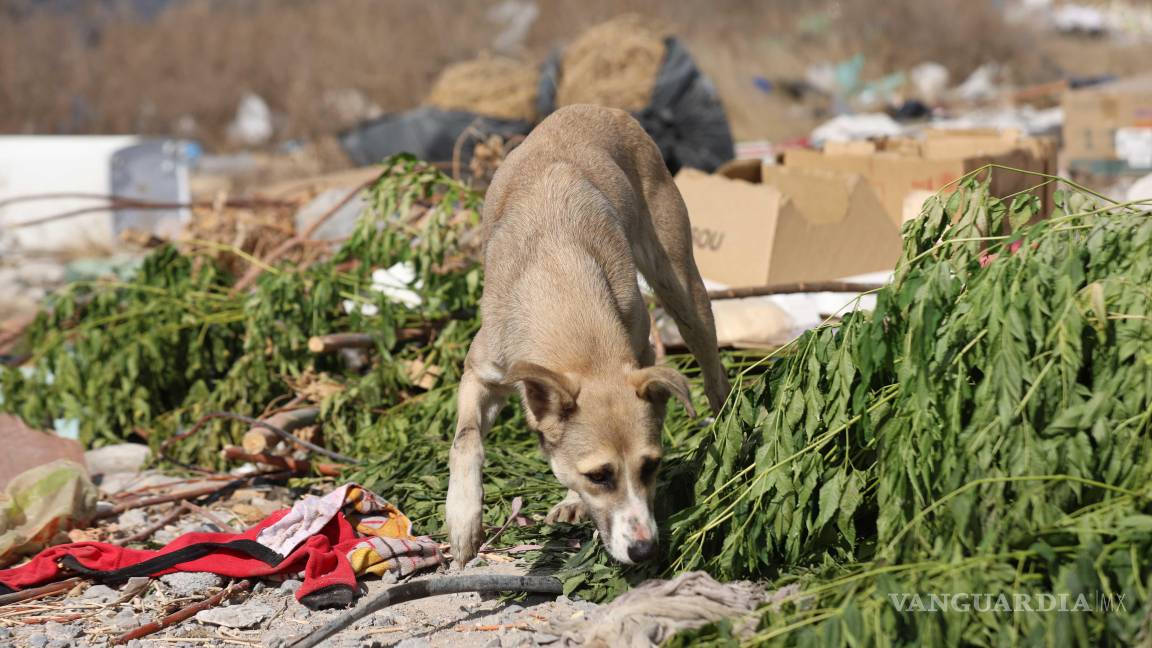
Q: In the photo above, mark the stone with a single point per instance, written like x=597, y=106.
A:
x=125, y=619
x=38, y=641
x=56, y=630
x=290, y=586
x=119, y=458
x=132, y=519
x=237, y=617
x=100, y=594
x=190, y=583
x=414, y=642
x=543, y=638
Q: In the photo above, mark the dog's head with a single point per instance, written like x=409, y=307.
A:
x=601, y=435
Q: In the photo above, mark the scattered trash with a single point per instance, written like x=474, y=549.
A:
x=855, y=127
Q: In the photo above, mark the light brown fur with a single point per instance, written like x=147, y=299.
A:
x=570, y=217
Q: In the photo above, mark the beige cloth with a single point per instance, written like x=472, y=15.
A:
x=657, y=609
x=40, y=505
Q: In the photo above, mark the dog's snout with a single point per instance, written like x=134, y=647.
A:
x=641, y=550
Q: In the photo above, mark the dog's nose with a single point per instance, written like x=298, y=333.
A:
x=641, y=550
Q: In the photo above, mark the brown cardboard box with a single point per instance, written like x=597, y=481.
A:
x=811, y=225
x=1092, y=115
x=903, y=172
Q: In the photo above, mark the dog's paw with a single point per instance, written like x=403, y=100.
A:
x=570, y=509
x=465, y=529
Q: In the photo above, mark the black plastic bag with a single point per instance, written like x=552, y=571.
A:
x=428, y=133
x=684, y=117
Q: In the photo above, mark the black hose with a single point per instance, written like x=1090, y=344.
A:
x=424, y=588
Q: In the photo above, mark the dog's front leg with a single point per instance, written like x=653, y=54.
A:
x=478, y=403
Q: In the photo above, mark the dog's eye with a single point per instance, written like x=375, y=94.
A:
x=600, y=477
x=648, y=469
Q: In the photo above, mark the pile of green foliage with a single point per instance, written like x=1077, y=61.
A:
x=985, y=430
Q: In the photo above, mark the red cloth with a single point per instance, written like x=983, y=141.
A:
x=325, y=568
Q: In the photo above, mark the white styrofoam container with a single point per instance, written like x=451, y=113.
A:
x=129, y=166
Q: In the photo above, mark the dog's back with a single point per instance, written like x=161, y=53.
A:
x=561, y=218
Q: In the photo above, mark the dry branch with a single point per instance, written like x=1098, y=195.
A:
x=186, y=613
x=260, y=439
x=39, y=592
x=798, y=287
x=297, y=466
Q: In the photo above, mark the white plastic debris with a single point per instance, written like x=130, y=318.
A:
x=253, y=123
x=930, y=79
x=981, y=85
x=856, y=127
x=397, y=283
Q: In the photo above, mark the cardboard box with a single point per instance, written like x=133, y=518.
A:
x=1092, y=116
x=811, y=225
x=903, y=172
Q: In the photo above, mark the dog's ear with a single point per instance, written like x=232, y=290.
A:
x=546, y=392
x=658, y=383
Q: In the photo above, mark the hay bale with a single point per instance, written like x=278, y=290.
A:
x=613, y=64
x=493, y=86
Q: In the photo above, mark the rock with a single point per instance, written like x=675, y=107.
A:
x=132, y=519
x=494, y=642
x=259, y=587
x=290, y=586
x=119, y=458
x=38, y=641
x=513, y=609
x=100, y=594
x=56, y=630
x=515, y=638
x=238, y=616
x=414, y=642
x=190, y=583
x=543, y=638
x=125, y=619
x=5, y=633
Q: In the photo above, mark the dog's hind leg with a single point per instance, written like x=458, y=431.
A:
x=664, y=256
x=479, y=401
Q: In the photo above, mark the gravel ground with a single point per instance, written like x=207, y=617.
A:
x=92, y=615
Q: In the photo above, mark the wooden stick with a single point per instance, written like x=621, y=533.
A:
x=181, y=615
x=40, y=592
x=261, y=439
x=798, y=287
x=162, y=499
x=336, y=341
x=297, y=466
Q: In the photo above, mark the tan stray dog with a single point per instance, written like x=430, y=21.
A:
x=569, y=218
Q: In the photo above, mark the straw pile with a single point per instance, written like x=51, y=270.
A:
x=613, y=64
x=493, y=86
